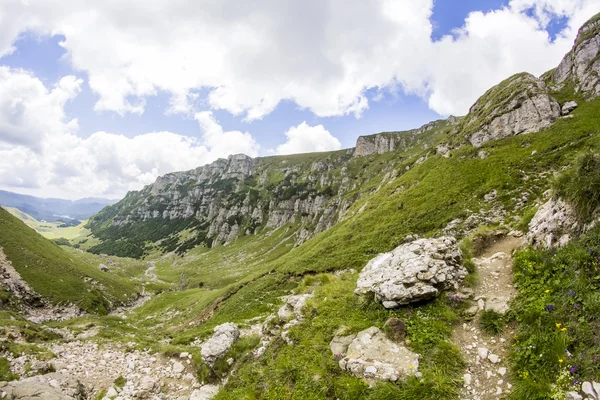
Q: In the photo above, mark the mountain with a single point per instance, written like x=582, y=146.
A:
x=53, y=209
x=459, y=260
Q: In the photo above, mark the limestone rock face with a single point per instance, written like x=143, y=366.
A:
x=413, y=271
x=219, y=343
x=582, y=63
x=390, y=141
x=519, y=105
x=240, y=196
x=552, y=225
x=371, y=355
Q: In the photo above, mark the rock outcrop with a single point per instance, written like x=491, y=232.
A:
x=519, y=105
x=232, y=197
x=219, y=343
x=415, y=271
x=30, y=390
x=553, y=225
x=372, y=356
x=391, y=141
x=291, y=313
x=582, y=64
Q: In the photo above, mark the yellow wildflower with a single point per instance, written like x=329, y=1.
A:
x=547, y=290
x=558, y=325
x=564, y=329
x=412, y=366
x=560, y=361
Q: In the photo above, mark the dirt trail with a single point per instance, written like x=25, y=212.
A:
x=487, y=355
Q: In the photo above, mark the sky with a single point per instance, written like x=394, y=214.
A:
x=101, y=97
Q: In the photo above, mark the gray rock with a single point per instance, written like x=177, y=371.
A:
x=553, y=225
x=413, y=271
x=497, y=304
x=219, y=344
x=582, y=64
x=526, y=109
x=371, y=355
x=386, y=142
x=103, y=268
x=573, y=396
x=206, y=392
x=292, y=307
x=588, y=389
x=568, y=107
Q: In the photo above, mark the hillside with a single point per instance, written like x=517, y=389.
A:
x=458, y=260
x=55, y=277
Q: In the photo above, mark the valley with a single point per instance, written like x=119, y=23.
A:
x=459, y=260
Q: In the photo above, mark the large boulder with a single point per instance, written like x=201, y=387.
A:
x=553, y=225
x=371, y=355
x=581, y=65
x=415, y=271
x=518, y=105
x=53, y=386
x=219, y=343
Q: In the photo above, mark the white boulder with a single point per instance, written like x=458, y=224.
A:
x=219, y=343
x=414, y=271
x=371, y=355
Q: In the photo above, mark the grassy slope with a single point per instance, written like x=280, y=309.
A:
x=435, y=192
x=56, y=275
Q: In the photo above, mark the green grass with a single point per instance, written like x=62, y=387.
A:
x=308, y=370
x=52, y=273
x=557, y=311
x=580, y=186
x=492, y=322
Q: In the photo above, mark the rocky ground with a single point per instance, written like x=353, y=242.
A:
x=486, y=355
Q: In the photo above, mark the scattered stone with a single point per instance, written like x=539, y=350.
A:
x=467, y=378
x=414, y=271
x=293, y=306
x=482, y=352
x=471, y=311
x=371, y=355
x=219, y=344
x=178, y=368
x=502, y=371
x=206, y=392
x=494, y=359
x=497, y=304
x=568, y=107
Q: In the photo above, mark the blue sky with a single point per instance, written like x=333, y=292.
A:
x=397, y=96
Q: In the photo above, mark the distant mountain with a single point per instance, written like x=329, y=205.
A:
x=54, y=209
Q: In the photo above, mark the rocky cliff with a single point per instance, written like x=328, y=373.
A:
x=521, y=104
x=581, y=65
x=385, y=142
x=221, y=201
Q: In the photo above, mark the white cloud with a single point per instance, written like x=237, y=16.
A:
x=321, y=54
x=41, y=153
x=305, y=139
x=28, y=109
x=224, y=143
